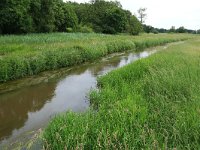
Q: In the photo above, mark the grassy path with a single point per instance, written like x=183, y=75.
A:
x=153, y=103
x=22, y=56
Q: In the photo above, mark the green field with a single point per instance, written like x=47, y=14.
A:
x=153, y=103
x=26, y=55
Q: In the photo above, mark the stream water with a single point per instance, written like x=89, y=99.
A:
x=27, y=105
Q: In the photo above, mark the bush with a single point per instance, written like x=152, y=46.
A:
x=85, y=29
x=155, y=31
x=69, y=30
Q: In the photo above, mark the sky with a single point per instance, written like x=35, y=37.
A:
x=166, y=13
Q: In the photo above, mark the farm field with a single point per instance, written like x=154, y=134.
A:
x=150, y=104
x=26, y=55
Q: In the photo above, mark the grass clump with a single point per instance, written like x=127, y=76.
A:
x=150, y=104
x=27, y=55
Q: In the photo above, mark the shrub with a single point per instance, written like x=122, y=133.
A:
x=85, y=29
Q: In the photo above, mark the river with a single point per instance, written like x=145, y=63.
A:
x=27, y=105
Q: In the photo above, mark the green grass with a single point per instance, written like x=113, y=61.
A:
x=153, y=103
x=26, y=55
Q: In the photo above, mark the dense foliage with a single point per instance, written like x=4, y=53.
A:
x=27, y=16
x=182, y=29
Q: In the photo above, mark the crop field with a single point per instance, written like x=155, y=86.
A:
x=153, y=103
x=26, y=55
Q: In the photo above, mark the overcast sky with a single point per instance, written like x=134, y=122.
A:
x=166, y=13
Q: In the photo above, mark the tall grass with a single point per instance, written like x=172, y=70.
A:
x=26, y=55
x=153, y=103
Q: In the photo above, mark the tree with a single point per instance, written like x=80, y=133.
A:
x=26, y=16
x=83, y=12
x=198, y=31
x=65, y=17
x=181, y=30
x=15, y=17
x=47, y=16
x=99, y=12
x=115, y=21
x=147, y=28
x=135, y=27
x=191, y=31
x=172, y=29
x=162, y=30
x=71, y=19
x=35, y=9
x=43, y=13
x=142, y=14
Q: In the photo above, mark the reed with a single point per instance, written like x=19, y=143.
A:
x=26, y=55
x=150, y=104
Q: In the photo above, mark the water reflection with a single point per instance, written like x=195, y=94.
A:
x=15, y=106
x=31, y=107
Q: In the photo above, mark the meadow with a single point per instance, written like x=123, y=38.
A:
x=150, y=104
x=26, y=55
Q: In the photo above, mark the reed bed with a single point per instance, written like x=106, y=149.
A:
x=153, y=103
x=27, y=55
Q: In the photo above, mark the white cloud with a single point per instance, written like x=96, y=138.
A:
x=166, y=13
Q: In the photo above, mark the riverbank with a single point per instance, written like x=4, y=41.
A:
x=35, y=104
x=150, y=104
x=27, y=55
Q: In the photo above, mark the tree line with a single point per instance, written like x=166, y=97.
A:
x=41, y=16
x=182, y=29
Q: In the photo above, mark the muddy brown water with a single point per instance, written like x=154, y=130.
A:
x=27, y=105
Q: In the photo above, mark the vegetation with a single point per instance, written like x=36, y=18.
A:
x=182, y=29
x=150, y=104
x=142, y=14
x=134, y=26
x=30, y=16
x=41, y=16
x=22, y=56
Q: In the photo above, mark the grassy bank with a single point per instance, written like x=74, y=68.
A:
x=150, y=104
x=27, y=55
